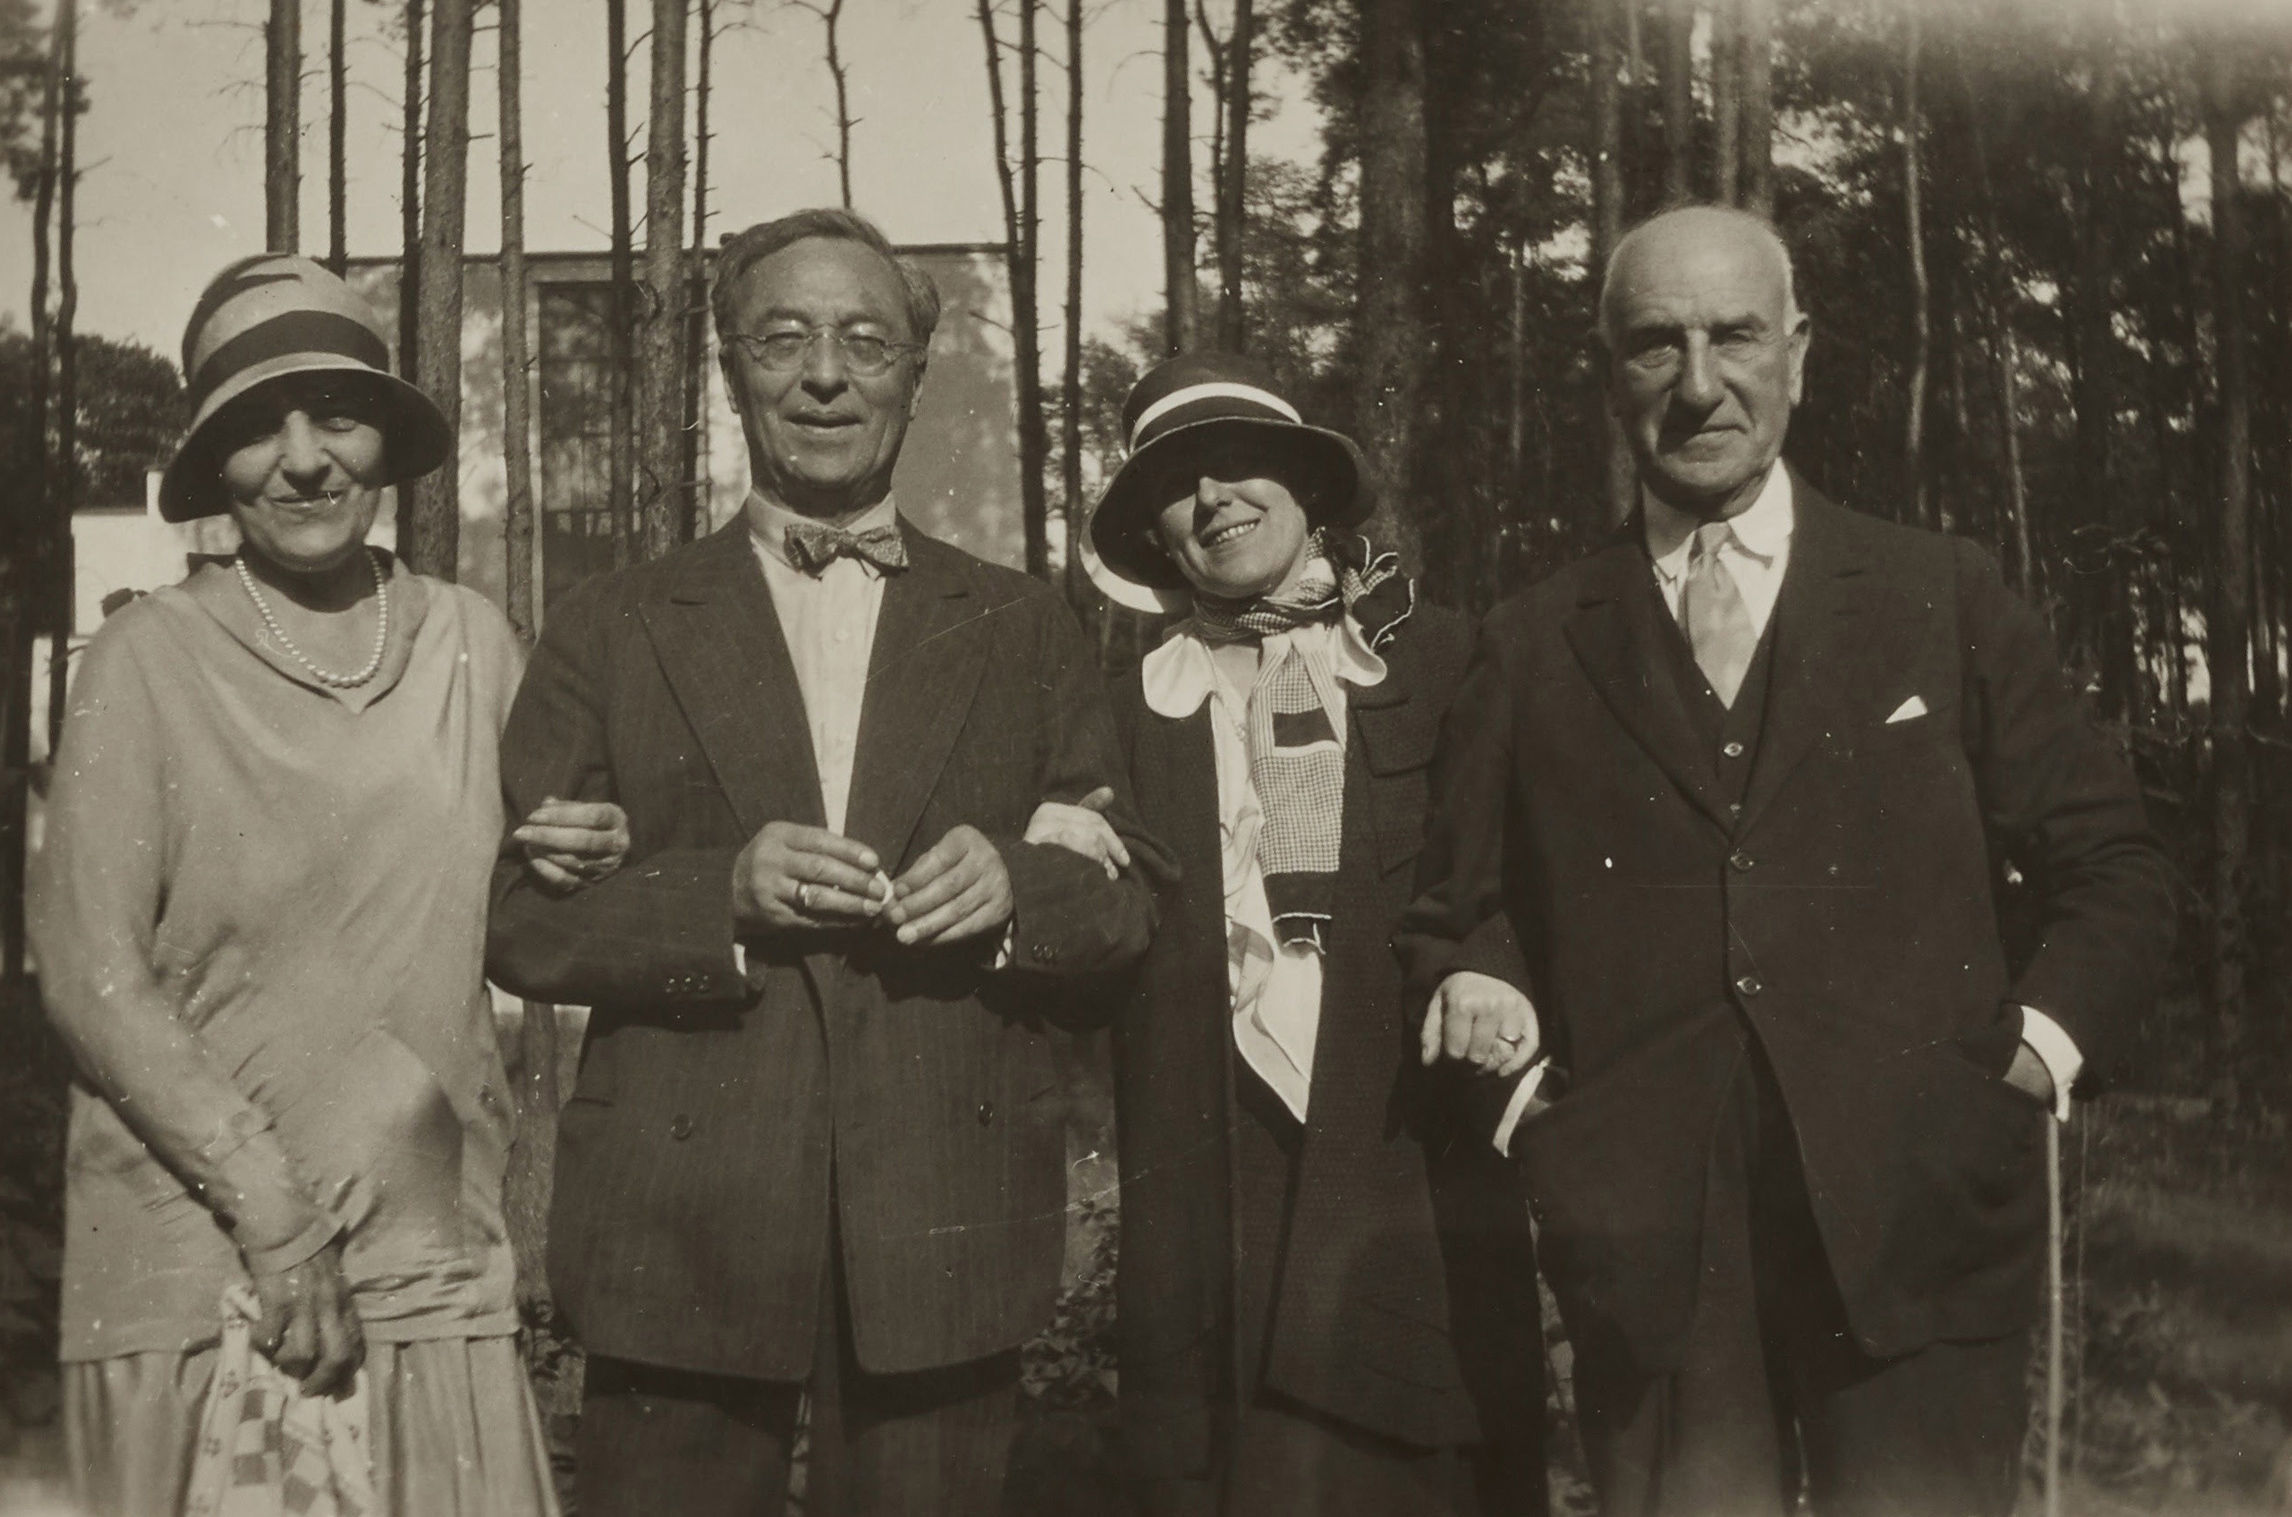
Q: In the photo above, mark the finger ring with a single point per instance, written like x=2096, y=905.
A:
x=804, y=897
x=1515, y=1040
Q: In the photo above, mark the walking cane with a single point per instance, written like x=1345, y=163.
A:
x=2053, y=1315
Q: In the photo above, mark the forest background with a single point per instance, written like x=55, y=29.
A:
x=2047, y=249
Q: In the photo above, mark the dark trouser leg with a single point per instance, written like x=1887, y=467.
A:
x=1935, y=1433
x=1702, y=1440
x=658, y=1440
x=933, y=1441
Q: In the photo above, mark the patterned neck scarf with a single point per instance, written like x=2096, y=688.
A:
x=1295, y=726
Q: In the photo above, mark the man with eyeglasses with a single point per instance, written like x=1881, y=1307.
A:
x=816, y=1153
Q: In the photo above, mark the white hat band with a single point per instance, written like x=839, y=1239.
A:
x=1216, y=390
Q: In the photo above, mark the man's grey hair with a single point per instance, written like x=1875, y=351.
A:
x=742, y=251
x=1759, y=225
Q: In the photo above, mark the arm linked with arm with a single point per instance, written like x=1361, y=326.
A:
x=1068, y=917
x=660, y=929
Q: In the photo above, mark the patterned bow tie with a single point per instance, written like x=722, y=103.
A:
x=812, y=546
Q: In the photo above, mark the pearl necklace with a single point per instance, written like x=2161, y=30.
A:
x=333, y=681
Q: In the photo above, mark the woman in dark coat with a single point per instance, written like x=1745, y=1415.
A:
x=1326, y=1297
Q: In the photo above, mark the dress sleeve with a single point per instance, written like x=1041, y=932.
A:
x=93, y=910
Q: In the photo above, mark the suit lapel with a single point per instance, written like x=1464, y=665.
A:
x=931, y=643
x=1616, y=631
x=1832, y=600
x=719, y=642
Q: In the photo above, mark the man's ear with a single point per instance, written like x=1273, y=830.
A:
x=1801, y=336
x=915, y=390
x=731, y=384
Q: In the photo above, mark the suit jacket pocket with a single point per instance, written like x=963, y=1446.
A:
x=1972, y=1201
x=1616, y=1172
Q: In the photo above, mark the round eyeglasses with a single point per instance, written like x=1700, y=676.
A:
x=864, y=353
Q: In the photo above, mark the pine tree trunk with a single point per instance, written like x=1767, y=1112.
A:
x=1678, y=101
x=1726, y=103
x=1019, y=187
x=1233, y=183
x=27, y=535
x=1758, y=106
x=516, y=355
x=1393, y=331
x=1070, y=394
x=696, y=285
x=1608, y=207
x=337, y=136
x=2228, y=629
x=66, y=489
x=410, y=196
x=282, y=127
x=621, y=399
x=430, y=535
x=1181, y=293
x=2092, y=299
x=667, y=500
x=1921, y=330
x=2005, y=357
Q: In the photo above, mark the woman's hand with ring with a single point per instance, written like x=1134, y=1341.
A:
x=307, y=1327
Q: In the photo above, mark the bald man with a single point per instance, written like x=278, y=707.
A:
x=1722, y=818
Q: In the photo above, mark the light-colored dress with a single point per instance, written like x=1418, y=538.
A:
x=259, y=921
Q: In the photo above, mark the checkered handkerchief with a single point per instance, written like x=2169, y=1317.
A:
x=268, y=1450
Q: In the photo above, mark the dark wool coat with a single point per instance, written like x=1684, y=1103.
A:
x=1918, y=733
x=1375, y=1322
x=691, y=1218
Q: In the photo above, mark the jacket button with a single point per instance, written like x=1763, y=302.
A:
x=1749, y=985
x=986, y=1113
x=1043, y=953
x=1733, y=750
x=1740, y=861
x=680, y=1127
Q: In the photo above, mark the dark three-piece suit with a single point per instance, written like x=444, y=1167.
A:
x=848, y=1120
x=1765, y=941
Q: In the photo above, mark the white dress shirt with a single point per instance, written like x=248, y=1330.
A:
x=829, y=623
x=1275, y=987
x=1756, y=555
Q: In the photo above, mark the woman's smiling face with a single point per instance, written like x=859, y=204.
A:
x=1233, y=523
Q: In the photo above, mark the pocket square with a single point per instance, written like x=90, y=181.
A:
x=1908, y=710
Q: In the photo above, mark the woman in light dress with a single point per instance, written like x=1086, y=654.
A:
x=259, y=921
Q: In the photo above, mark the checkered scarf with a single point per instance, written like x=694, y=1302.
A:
x=1296, y=751
x=266, y=1449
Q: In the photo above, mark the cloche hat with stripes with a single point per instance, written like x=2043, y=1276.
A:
x=1197, y=399
x=273, y=315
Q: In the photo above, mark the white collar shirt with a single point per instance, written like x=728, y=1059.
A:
x=1756, y=553
x=829, y=623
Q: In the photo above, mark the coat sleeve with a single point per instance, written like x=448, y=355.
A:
x=1458, y=920
x=94, y=902
x=1067, y=917
x=2066, y=811
x=660, y=929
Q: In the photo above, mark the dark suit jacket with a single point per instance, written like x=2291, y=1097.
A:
x=1371, y=1318
x=691, y=1219
x=1846, y=919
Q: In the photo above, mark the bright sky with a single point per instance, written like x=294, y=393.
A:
x=172, y=146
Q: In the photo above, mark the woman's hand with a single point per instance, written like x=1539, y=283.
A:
x=1082, y=829
x=307, y=1327
x=569, y=844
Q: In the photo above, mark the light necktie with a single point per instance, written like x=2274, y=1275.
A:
x=1711, y=610
x=812, y=546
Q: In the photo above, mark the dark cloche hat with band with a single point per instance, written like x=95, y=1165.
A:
x=277, y=314
x=1200, y=399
